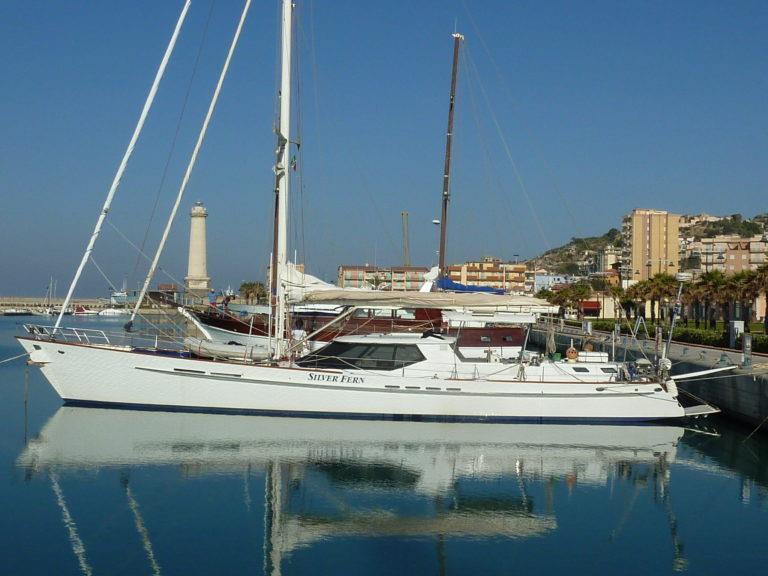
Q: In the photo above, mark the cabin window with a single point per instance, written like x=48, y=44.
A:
x=405, y=314
x=361, y=313
x=580, y=369
x=485, y=338
x=354, y=355
x=609, y=370
x=508, y=338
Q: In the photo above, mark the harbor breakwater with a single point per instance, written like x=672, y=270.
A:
x=741, y=393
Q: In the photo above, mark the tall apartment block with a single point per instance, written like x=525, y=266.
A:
x=651, y=244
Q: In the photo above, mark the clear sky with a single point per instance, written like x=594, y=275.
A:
x=601, y=106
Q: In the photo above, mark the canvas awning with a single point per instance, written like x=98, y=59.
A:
x=443, y=300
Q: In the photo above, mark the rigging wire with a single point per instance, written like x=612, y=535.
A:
x=147, y=257
x=124, y=162
x=325, y=238
x=505, y=86
x=299, y=139
x=103, y=274
x=175, y=137
x=508, y=151
x=492, y=176
x=193, y=158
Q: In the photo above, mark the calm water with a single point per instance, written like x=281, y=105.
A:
x=91, y=491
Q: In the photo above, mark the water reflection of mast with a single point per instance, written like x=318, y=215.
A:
x=273, y=512
x=74, y=538
x=140, y=526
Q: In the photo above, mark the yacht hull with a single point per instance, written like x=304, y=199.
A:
x=89, y=374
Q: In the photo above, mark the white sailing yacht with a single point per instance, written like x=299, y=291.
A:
x=402, y=376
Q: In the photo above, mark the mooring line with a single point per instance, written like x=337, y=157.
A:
x=14, y=358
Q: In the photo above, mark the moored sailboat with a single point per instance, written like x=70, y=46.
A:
x=409, y=376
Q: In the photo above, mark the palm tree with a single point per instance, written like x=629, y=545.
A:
x=577, y=293
x=663, y=287
x=639, y=294
x=693, y=297
x=618, y=296
x=760, y=284
x=253, y=291
x=745, y=292
x=711, y=286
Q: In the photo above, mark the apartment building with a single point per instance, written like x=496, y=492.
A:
x=650, y=244
x=397, y=278
x=490, y=271
x=728, y=254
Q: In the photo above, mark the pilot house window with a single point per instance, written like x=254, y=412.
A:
x=358, y=355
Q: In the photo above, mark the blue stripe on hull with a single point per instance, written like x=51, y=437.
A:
x=358, y=416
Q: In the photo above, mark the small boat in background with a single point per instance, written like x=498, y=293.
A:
x=113, y=312
x=84, y=311
x=17, y=312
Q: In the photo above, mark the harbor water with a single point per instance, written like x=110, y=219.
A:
x=107, y=491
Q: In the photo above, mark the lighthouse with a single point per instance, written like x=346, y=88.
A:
x=197, y=278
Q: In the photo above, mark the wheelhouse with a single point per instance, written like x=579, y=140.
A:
x=363, y=355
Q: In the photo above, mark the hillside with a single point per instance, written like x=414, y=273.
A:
x=564, y=260
x=735, y=224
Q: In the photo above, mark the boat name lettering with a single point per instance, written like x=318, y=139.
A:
x=336, y=378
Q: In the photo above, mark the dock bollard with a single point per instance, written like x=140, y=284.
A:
x=746, y=350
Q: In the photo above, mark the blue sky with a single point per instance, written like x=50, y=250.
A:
x=602, y=106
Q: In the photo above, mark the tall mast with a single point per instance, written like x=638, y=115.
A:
x=282, y=171
x=123, y=163
x=457, y=38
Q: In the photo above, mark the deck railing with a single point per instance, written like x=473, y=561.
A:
x=68, y=334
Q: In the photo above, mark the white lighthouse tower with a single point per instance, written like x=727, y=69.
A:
x=197, y=278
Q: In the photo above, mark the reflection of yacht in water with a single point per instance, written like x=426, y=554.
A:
x=460, y=468
x=436, y=453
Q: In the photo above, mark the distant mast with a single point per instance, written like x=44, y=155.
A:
x=282, y=170
x=457, y=38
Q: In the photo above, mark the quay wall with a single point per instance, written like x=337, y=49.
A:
x=742, y=394
x=35, y=302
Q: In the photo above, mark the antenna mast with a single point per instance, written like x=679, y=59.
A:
x=457, y=38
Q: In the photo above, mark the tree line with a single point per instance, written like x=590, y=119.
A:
x=713, y=296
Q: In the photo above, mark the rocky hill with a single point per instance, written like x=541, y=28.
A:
x=735, y=224
x=566, y=259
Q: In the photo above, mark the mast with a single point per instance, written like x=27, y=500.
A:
x=457, y=38
x=282, y=171
x=190, y=165
x=123, y=163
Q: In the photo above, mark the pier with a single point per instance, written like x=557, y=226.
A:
x=40, y=302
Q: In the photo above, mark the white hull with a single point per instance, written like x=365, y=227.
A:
x=110, y=375
x=113, y=312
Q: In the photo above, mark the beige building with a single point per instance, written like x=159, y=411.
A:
x=490, y=272
x=397, y=278
x=728, y=254
x=651, y=244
